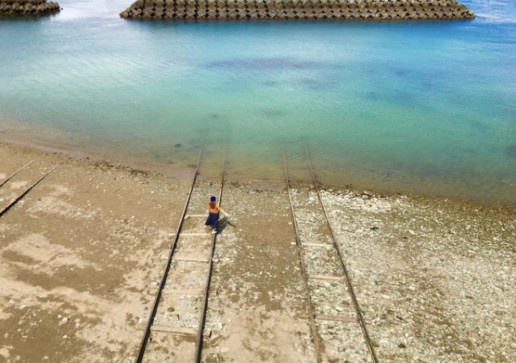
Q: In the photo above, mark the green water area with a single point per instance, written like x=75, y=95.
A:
x=422, y=107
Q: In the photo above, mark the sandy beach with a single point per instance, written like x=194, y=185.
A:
x=81, y=255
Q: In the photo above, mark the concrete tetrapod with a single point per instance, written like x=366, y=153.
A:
x=371, y=10
x=28, y=8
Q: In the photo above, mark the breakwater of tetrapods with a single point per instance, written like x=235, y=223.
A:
x=28, y=7
x=296, y=9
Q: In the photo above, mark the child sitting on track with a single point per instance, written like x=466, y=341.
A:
x=214, y=214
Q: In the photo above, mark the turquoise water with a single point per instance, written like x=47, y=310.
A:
x=419, y=107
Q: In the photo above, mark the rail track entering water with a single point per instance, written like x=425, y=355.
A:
x=13, y=200
x=178, y=315
x=318, y=279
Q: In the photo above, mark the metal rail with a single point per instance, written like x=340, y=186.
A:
x=200, y=332
x=145, y=339
x=18, y=198
x=14, y=174
x=341, y=260
x=299, y=250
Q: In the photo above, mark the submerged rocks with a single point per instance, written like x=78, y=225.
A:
x=296, y=9
x=28, y=7
x=512, y=150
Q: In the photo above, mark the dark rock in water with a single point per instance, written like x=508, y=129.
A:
x=372, y=96
x=260, y=63
x=177, y=145
x=317, y=84
x=270, y=83
x=270, y=112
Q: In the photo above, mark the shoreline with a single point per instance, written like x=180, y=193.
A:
x=103, y=157
x=186, y=171
x=82, y=252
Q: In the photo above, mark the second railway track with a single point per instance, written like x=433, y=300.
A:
x=337, y=324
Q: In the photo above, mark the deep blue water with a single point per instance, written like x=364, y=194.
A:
x=422, y=107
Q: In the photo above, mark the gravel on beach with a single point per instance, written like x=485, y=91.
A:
x=82, y=253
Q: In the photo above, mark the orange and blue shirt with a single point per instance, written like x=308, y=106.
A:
x=215, y=209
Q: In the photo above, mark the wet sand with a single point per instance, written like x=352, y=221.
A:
x=81, y=254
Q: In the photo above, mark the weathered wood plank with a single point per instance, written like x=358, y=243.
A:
x=342, y=318
x=183, y=291
x=195, y=216
x=311, y=244
x=191, y=259
x=326, y=277
x=158, y=328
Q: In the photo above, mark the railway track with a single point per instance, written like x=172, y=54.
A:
x=9, y=198
x=15, y=173
x=177, y=319
x=329, y=314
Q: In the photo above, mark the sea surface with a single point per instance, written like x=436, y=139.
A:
x=424, y=107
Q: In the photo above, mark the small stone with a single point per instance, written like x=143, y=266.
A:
x=64, y=320
x=402, y=345
x=174, y=317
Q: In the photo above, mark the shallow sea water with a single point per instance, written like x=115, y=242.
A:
x=418, y=107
